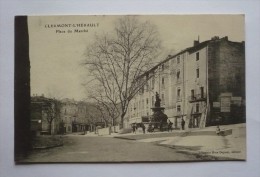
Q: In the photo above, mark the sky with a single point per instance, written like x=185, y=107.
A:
x=56, y=56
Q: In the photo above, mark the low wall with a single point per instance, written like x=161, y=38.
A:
x=104, y=131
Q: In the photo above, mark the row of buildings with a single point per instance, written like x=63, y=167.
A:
x=51, y=116
x=203, y=84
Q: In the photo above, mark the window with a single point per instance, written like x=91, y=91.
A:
x=202, y=92
x=198, y=73
x=163, y=99
x=178, y=59
x=162, y=67
x=147, y=102
x=179, y=108
x=192, y=94
x=178, y=74
x=152, y=101
x=153, y=82
x=197, y=56
x=142, y=89
x=162, y=82
x=197, y=108
x=179, y=92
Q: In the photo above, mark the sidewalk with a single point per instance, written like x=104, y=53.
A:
x=201, y=142
x=47, y=141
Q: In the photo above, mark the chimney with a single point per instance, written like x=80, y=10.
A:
x=226, y=38
x=215, y=38
x=195, y=42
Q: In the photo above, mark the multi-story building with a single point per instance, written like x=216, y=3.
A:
x=65, y=116
x=73, y=115
x=45, y=115
x=203, y=84
x=79, y=116
x=68, y=114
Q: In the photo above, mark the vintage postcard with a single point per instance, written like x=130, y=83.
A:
x=130, y=88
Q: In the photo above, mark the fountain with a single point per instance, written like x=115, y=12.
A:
x=158, y=116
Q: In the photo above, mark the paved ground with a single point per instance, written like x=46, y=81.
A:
x=79, y=148
x=203, y=143
x=195, y=145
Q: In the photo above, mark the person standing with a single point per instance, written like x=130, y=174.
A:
x=143, y=127
x=134, y=127
x=218, y=130
x=182, y=124
x=170, y=126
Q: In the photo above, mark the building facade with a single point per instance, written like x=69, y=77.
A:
x=203, y=84
x=74, y=116
x=45, y=115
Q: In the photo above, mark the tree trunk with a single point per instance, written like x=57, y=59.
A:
x=50, y=127
x=122, y=120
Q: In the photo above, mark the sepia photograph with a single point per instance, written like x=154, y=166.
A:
x=129, y=88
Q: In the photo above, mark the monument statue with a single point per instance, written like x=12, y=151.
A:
x=158, y=117
x=157, y=100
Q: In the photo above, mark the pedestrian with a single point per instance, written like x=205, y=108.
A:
x=134, y=128
x=170, y=126
x=182, y=124
x=161, y=126
x=143, y=127
x=218, y=130
x=150, y=128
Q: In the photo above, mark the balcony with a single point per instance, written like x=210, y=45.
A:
x=197, y=98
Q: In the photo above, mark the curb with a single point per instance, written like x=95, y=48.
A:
x=48, y=147
x=125, y=138
x=177, y=134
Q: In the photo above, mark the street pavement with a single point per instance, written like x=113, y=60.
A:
x=189, y=145
x=78, y=148
x=201, y=142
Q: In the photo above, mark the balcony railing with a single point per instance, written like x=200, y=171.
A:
x=197, y=97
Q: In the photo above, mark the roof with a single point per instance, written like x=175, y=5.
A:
x=190, y=50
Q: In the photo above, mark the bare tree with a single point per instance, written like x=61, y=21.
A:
x=118, y=60
x=108, y=109
x=52, y=111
